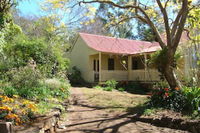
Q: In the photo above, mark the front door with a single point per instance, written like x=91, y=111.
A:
x=96, y=70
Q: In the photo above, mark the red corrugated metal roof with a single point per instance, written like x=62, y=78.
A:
x=118, y=45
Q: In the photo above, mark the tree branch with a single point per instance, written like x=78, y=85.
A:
x=146, y=18
x=166, y=21
x=176, y=22
x=180, y=29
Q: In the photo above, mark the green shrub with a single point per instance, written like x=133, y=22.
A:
x=42, y=93
x=24, y=77
x=75, y=77
x=120, y=89
x=55, y=83
x=58, y=87
x=9, y=91
x=192, y=95
x=149, y=111
x=50, y=59
x=28, y=93
x=107, y=88
x=168, y=98
x=161, y=84
x=135, y=88
x=98, y=87
x=111, y=84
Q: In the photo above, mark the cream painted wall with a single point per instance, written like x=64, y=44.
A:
x=79, y=57
x=105, y=58
x=117, y=64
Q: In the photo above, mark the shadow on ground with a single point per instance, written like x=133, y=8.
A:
x=114, y=122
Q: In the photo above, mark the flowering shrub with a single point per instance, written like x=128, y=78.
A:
x=168, y=98
x=16, y=110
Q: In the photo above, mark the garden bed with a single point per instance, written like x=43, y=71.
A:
x=170, y=119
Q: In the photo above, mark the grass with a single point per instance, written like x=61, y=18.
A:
x=113, y=101
x=46, y=106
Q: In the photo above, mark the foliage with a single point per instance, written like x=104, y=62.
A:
x=9, y=91
x=55, y=83
x=24, y=77
x=16, y=109
x=161, y=84
x=44, y=107
x=159, y=59
x=75, y=77
x=49, y=59
x=121, y=89
x=192, y=95
x=133, y=87
x=149, y=111
x=107, y=88
x=28, y=83
x=168, y=98
x=111, y=84
x=98, y=87
x=145, y=33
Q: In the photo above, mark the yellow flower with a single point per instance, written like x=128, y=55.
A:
x=12, y=116
x=6, y=99
x=32, y=107
x=25, y=102
x=5, y=108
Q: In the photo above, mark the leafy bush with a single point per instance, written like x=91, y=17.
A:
x=135, y=88
x=75, y=77
x=168, y=98
x=24, y=77
x=50, y=59
x=161, y=84
x=111, y=84
x=28, y=83
x=9, y=90
x=58, y=87
x=192, y=95
x=98, y=87
x=107, y=88
x=55, y=83
x=121, y=89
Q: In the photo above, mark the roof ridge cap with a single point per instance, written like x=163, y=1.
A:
x=114, y=37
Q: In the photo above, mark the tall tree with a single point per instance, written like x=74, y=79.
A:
x=173, y=18
x=122, y=30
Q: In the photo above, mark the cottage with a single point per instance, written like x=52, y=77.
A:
x=101, y=58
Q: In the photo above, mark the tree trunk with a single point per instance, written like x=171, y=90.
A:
x=171, y=77
x=169, y=71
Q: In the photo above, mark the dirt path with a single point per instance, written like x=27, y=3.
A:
x=85, y=118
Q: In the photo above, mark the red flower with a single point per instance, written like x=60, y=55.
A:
x=166, y=94
x=166, y=89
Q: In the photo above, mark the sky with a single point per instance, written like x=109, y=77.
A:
x=30, y=8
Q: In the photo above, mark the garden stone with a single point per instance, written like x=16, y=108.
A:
x=6, y=127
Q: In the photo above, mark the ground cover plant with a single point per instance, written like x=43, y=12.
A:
x=36, y=100
x=185, y=100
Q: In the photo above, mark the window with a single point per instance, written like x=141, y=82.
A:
x=98, y=65
x=111, y=64
x=94, y=65
x=134, y=64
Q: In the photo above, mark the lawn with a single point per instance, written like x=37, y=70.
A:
x=113, y=101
